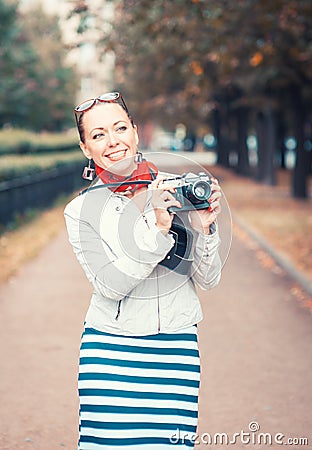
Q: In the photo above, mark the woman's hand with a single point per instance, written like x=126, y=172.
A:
x=201, y=219
x=161, y=200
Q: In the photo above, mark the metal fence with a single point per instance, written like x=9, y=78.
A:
x=37, y=191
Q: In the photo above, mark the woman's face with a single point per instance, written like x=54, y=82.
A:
x=110, y=139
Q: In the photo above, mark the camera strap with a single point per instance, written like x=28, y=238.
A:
x=110, y=185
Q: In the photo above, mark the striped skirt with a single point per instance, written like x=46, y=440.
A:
x=138, y=392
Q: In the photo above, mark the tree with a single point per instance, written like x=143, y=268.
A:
x=270, y=59
x=155, y=68
x=17, y=60
x=190, y=59
x=54, y=88
x=36, y=87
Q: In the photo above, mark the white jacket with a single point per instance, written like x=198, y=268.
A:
x=120, y=249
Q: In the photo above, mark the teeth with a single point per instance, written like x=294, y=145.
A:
x=116, y=155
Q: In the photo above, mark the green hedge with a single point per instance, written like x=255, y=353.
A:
x=21, y=142
x=16, y=166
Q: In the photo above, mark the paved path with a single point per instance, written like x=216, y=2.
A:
x=256, y=343
x=255, y=346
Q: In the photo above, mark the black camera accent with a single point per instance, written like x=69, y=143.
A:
x=180, y=257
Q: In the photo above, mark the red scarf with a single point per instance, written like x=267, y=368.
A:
x=145, y=171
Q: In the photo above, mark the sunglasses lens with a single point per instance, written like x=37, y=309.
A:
x=110, y=96
x=84, y=106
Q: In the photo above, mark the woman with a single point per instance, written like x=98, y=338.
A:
x=139, y=361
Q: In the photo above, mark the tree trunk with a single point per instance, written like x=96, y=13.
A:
x=260, y=131
x=301, y=170
x=242, y=150
x=221, y=136
x=266, y=136
x=281, y=141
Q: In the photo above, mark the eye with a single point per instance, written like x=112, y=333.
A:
x=98, y=136
x=122, y=129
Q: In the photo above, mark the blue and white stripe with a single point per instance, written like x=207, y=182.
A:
x=138, y=392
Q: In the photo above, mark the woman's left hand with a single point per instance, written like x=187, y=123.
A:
x=201, y=219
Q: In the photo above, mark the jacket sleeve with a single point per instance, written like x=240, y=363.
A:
x=111, y=275
x=206, y=267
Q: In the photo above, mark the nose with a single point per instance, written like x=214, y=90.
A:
x=112, y=139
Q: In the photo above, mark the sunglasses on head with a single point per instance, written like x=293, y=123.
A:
x=109, y=97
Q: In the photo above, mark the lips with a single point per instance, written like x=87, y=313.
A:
x=117, y=155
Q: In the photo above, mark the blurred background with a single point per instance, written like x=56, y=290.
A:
x=227, y=82
x=224, y=84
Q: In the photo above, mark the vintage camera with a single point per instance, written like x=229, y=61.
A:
x=192, y=191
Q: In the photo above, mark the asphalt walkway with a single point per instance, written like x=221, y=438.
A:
x=255, y=346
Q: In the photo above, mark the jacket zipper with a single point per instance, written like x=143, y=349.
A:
x=119, y=302
x=145, y=220
x=118, y=310
x=119, y=307
x=158, y=310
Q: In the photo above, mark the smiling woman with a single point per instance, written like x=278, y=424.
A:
x=110, y=137
x=139, y=361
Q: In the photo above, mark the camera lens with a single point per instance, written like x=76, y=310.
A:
x=201, y=190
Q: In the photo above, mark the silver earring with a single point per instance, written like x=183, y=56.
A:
x=138, y=158
x=88, y=172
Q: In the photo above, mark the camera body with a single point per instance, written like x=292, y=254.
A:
x=192, y=191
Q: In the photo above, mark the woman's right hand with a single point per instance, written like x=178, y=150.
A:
x=161, y=200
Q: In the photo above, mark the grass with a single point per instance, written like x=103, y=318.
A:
x=12, y=140
x=17, y=246
x=14, y=166
x=43, y=160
